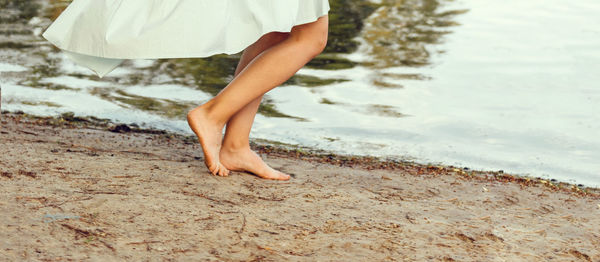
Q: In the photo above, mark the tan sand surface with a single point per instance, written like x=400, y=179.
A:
x=74, y=191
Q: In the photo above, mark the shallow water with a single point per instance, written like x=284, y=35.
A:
x=489, y=85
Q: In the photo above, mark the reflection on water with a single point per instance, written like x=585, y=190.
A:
x=346, y=20
x=464, y=83
x=402, y=32
x=17, y=10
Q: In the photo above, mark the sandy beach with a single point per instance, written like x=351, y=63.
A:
x=78, y=189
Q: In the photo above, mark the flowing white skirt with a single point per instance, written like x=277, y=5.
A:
x=100, y=34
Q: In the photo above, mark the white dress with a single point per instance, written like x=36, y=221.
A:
x=100, y=34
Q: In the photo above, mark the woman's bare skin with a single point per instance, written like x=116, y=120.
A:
x=264, y=65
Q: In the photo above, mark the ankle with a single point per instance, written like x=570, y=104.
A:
x=235, y=147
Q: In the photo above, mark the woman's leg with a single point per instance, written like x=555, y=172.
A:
x=265, y=72
x=235, y=154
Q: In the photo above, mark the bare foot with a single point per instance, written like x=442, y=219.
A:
x=210, y=136
x=246, y=160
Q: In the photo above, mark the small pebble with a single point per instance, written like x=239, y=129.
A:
x=122, y=128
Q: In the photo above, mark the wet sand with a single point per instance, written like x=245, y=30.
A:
x=84, y=189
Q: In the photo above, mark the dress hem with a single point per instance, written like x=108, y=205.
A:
x=98, y=61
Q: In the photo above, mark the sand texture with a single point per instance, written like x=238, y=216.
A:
x=75, y=191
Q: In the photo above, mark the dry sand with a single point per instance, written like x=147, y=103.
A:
x=73, y=190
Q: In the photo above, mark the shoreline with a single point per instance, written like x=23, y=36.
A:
x=87, y=190
x=322, y=156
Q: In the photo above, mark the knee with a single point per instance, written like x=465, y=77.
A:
x=312, y=37
x=320, y=35
x=319, y=44
x=313, y=44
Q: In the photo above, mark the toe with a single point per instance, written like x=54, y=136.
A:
x=278, y=176
x=212, y=168
x=283, y=177
x=223, y=171
x=215, y=170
